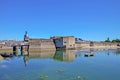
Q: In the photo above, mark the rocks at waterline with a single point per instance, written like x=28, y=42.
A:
x=1, y=58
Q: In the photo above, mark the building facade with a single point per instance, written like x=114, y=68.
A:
x=65, y=42
x=38, y=44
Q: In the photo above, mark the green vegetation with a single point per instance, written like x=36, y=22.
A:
x=114, y=40
x=108, y=40
x=43, y=76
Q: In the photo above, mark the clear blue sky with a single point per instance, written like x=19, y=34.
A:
x=86, y=19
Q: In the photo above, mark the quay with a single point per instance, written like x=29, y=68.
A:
x=53, y=43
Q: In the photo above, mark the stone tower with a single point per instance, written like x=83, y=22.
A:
x=26, y=37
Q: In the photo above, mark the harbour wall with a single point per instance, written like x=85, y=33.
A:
x=41, y=44
x=97, y=45
x=48, y=44
x=6, y=49
x=82, y=45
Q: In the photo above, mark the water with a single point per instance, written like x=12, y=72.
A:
x=62, y=65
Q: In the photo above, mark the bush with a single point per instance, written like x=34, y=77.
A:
x=116, y=40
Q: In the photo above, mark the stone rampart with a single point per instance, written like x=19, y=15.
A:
x=41, y=44
x=97, y=45
x=82, y=45
x=6, y=50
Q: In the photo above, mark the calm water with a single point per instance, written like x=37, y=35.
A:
x=62, y=65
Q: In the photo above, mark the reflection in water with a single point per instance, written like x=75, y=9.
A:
x=61, y=55
x=15, y=53
x=45, y=54
x=23, y=53
x=51, y=69
x=26, y=58
x=118, y=51
x=64, y=55
x=31, y=55
x=113, y=51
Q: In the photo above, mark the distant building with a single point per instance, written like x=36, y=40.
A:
x=78, y=40
x=65, y=42
x=37, y=44
x=61, y=42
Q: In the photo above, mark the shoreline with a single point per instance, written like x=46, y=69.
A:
x=10, y=50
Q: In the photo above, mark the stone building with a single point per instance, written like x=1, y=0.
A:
x=64, y=42
x=38, y=44
x=7, y=45
x=56, y=42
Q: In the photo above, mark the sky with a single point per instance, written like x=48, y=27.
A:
x=87, y=19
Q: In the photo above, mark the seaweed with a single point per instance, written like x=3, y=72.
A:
x=43, y=76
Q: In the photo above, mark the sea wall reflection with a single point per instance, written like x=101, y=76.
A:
x=45, y=54
x=59, y=55
x=36, y=55
x=64, y=55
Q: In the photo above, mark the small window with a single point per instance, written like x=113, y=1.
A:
x=65, y=42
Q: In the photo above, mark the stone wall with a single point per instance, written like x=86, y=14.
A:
x=59, y=43
x=105, y=45
x=65, y=42
x=41, y=44
x=82, y=45
x=6, y=50
x=96, y=45
x=69, y=42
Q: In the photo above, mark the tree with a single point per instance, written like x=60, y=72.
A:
x=116, y=40
x=108, y=40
